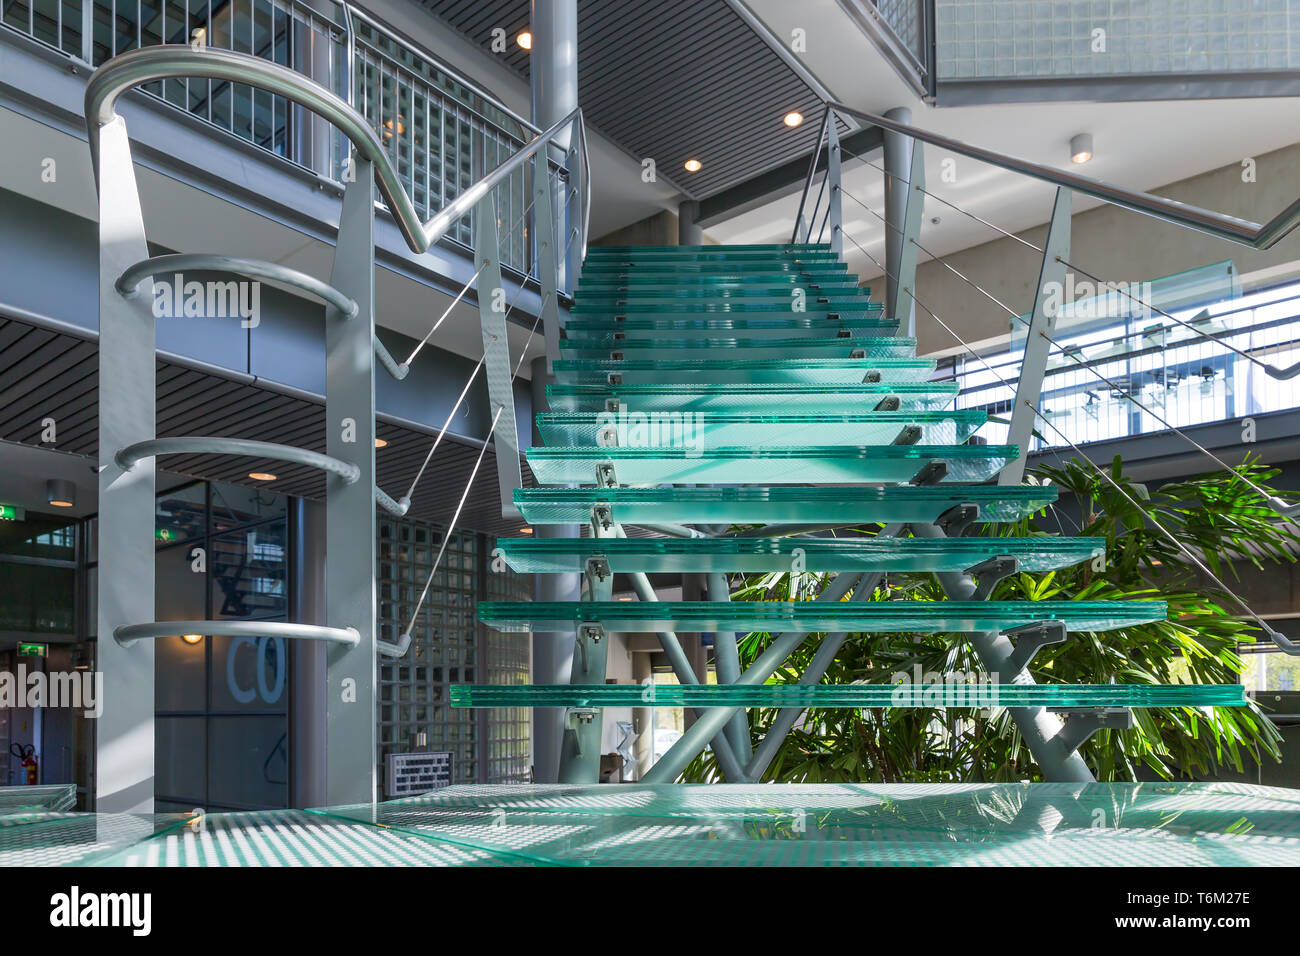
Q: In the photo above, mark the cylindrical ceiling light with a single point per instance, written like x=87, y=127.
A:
x=61, y=493
x=1081, y=148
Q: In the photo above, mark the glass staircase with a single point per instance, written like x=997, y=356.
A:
x=732, y=400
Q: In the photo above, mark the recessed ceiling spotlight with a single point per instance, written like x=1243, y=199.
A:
x=191, y=638
x=1081, y=148
x=793, y=118
x=261, y=476
x=693, y=165
x=61, y=493
x=525, y=40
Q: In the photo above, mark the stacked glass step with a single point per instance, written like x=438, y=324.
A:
x=759, y=386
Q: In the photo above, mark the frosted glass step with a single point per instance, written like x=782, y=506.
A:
x=630, y=427
x=696, y=286
x=806, y=276
x=769, y=466
x=773, y=617
x=774, y=348
x=755, y=555
x=711, y=248
x=604, y=330
x=765, y=266
x=849, y=695
x=768, y=314
x=710, y=372
x=754, y=399
x=748, y=295
x=758, y=505
x=704, y=253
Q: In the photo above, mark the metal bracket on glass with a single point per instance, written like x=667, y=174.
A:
x=597, y=567
x=956, y=520
x=910, y=435
x=602, y=517
x=890, y=403
x=576, y=717
x=990, y=572
x=931, y=473
x=605, y=475
x=1032, y=638
x=1082, y=722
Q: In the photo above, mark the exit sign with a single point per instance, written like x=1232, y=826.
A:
x=32, y=650
x=11, y=513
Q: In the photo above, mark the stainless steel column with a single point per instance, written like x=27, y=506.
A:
x=552, y=650
x=898, y=162
x=307, y=687
x=689, y=233
x=554, y=73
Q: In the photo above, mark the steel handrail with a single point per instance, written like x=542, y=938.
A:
x=173, y=61
x=1241, y=231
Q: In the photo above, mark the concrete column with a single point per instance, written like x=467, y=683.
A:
x=898, y=161
x=307, y=658
x=688, y=232
x=552, y=650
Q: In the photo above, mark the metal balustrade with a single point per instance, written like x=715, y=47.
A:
x=441, y=132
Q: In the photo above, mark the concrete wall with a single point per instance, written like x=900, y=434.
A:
x=1114, y=244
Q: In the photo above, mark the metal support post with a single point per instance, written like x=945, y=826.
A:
x=835, y=205
x=900, y=185
x=350, y=545
x=547, y=257
x=1042, y=324
x=497, y=367
x=124, y=733
x=726, y=660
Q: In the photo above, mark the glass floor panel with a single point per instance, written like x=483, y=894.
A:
x=745, y=398
x=631, y=824
x=693, y=286
x=871, y=617
x=632, y=428
x=680, y=373
x=587, y=302
x=602, y=315
x=687, y=555
x=889, y=346
x=758, y=505
x=667, y=270
x=849, y=695
x=833, y=464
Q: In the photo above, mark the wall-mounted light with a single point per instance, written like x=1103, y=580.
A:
x=793, y=118
x=381, y=443
x=61, y=493
x=693, y=165
x=261, y=476
x=525, y=40
x=191, y=638
x=525, y=530
x=1081, y=148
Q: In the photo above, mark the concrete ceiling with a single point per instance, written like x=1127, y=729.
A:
x=1141, y=145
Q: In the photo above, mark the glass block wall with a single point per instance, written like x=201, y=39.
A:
x=1008, y=39
x=448, y=646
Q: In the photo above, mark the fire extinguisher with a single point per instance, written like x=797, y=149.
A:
x=27, y=755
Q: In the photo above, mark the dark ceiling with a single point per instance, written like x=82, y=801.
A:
x=671, y=80
x=51, y=374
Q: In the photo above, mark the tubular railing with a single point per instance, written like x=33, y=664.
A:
x=442, y=133
x=1025, y=389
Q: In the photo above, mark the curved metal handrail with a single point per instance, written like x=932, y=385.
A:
x=128, y=282
x=127, y=457
x=1241, y=231
x=173, y=61
x=128, y=634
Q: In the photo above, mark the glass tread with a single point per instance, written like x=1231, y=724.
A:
x=896, y=346
x=687, y=373
x=866, y=617
x=742, y=398
x=720, y=320
x=872, y=504
x=754, y=555
x=823, y=464
x=849, y=695
x=630, y=427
